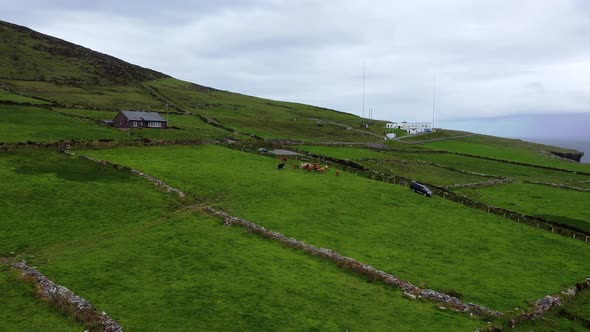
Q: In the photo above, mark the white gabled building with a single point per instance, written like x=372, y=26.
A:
x=410, y=127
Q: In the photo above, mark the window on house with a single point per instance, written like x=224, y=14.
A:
x=154, y=124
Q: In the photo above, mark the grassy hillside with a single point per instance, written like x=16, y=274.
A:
x=71, y=76
x=385, y=225
x=153, y=264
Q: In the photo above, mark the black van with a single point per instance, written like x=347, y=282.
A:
x=421, y=189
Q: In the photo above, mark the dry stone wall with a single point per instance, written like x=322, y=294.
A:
x=558, y=185
x=81, y=309
x=548, y=225
x=150, y=178
x=541, y=306
x=410, y=290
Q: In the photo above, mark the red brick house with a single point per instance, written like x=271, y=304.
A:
x=132, y=119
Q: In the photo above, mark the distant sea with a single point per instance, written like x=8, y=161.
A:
x=576, y=144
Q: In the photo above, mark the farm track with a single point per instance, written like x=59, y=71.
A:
x=347, y=127
x=401, y=139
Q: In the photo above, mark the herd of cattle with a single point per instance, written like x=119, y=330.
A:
x=310, y=167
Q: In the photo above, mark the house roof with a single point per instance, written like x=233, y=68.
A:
x=143, y=116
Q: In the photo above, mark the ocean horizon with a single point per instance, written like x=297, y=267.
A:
x=582, y=145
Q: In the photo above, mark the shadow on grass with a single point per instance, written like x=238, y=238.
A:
x=69, y=169
x=581, y=224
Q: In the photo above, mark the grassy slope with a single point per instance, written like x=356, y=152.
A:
x=560, y=205
x=21, y=311
x=50, y=199
x=439, y=133
x=496, y=168
x=263, y=117
x=574, y=316
x=117, y=241
x=514, y=150
x=19, y=123
x=11, y=97
x=189, y=126
x=70, y=75
x=188, y=272
x=428, y=241
x=391, y=163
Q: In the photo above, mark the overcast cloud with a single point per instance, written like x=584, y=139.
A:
x=492, y=59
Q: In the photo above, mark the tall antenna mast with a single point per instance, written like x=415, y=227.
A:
x=433, y=99
x=363, y=92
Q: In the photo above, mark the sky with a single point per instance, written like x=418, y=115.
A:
x=515, y=67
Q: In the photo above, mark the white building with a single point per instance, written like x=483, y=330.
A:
x=389, y=136
x=410, y=127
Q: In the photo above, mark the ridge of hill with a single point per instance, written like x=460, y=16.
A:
x=29, y=55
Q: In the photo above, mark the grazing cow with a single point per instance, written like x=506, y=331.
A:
x=337, y=172
x=281, y=166
x=294, y=166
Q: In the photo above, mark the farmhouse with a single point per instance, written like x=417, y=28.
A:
x=410, y=127
x=132, y=119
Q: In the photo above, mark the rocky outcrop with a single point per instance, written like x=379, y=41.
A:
x=575, y=156
x=81, y=309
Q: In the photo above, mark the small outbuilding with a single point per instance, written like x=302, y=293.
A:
x=134, y=119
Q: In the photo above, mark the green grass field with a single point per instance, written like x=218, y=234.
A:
x=152, y=264
x=209, y=277
x=420, y=172
x=439, y=133
x=262, y=117
x=20, y=124
x=574, y=316
x=50, y=199
x=497, y=168
x=21, y=311
x=513, y=150
x=8, y=96
x=554, y=204
x=431, y=242
x=390, y=163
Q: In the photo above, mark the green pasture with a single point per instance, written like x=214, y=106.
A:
x=390, y=163
x=22, y=311
x=262, y=117
x=491, y=167
x=432, y=242
x=512, y=150
x=153, y=265
x=21, y=123
x=573, y=316
x=188, y=272
x=11, y=97
x=559, y=205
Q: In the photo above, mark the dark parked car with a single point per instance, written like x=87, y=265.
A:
x=421, y=189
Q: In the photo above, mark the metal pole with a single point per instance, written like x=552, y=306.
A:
x=363, y=92
x=433, y=99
